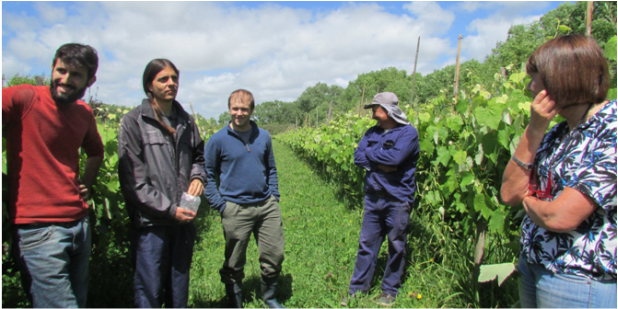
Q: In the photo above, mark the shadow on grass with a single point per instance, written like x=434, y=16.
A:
x=348, y=193
x=252, y=290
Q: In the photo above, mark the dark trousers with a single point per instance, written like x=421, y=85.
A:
x=384, y=216
x=162, y=259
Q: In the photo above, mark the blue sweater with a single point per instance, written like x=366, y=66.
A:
x=246, y=171
x=396, y=147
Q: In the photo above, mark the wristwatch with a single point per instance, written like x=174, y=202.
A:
x=526, y=166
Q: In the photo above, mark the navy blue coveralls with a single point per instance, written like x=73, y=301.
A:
x=388, y=198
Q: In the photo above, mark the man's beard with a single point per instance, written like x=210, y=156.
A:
x=65, y=99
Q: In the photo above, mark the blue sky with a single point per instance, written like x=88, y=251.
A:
x=274, y=49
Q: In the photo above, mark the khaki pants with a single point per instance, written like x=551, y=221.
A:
x=239, y=222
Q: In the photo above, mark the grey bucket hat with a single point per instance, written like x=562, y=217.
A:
x=390, y=103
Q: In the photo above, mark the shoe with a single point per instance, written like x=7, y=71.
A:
x=386, y=300
x=234, y=295
x=346, y=299
x=268, y=295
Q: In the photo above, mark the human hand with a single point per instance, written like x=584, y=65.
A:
x=84, y=192
x=542, y=110
x=387, y=168
x=196, y=188
x=184, y=215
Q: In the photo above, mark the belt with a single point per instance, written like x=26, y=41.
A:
x=37, y=225
x=381, y=193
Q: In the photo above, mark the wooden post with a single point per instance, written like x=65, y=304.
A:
x=457, y=70
x=194, y=115
x=479, y=249
x=589, y=10
x=296, y=122
x=330, y=110
x=317, y=120
x=414, y=72
x=360, y=107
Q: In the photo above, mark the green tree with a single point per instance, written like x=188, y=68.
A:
x=225, y=118
x=521, y=42
x=289, y=112
x=318, y=94
x=389, y=79
x=267, y=112
x=573, y=15
x=430, y=85
x=17, y=79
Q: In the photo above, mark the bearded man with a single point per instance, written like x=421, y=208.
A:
x=45, y=128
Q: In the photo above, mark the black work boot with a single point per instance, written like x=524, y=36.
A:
x=234, y=295
x=268, y=295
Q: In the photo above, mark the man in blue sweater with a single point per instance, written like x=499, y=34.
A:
x=388, y=152
x=241, y=156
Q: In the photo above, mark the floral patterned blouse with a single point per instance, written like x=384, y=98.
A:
x=585, y=160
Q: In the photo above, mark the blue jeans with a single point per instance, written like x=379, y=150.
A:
x=162, y=259
x=541, y=288
x=53, y=262
x=383, y=216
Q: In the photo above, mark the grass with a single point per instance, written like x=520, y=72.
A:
x=321, y=240
x=321, y=237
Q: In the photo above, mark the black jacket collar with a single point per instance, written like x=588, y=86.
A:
x=146, y=110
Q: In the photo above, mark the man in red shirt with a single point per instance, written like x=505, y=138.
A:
x=45, y=128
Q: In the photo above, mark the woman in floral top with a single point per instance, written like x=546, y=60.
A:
x=566, y=179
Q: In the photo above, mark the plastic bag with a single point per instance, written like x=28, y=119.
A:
x=190, y=202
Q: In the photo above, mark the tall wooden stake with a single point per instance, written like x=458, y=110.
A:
x=194, y=115
x=317, y=120
x=457, y=70
x=479, y=249
x=414, y=72
x=360, y=107
x=589, y=10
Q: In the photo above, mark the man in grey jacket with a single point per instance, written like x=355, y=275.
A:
x=160, y=155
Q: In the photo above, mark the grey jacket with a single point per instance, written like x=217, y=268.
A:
x=152, y=181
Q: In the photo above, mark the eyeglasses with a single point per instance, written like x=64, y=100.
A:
x=533, y=187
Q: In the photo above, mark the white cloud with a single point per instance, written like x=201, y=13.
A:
x=18, y=23
x=512, y=7
x=50, y=13
x=11, y=65
x=431, y=16
x=490, y=30
x=274, y=51
x=341, y=82
x=470, y=6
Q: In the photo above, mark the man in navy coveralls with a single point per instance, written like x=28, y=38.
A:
x=388, y=152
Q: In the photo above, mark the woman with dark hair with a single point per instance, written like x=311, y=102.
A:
x=161, y=156
x=566, y=179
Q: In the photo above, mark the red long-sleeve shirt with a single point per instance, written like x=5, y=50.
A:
x=43, y=141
